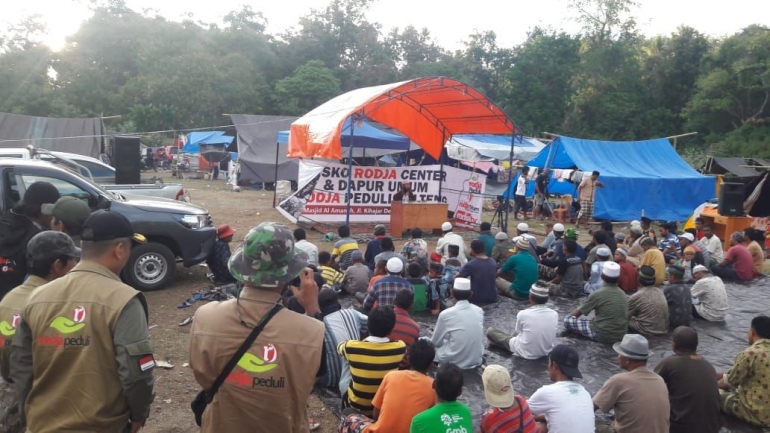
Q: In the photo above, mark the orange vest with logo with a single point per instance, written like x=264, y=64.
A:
x=76, y=385
x=268, y=390
x=10, y=316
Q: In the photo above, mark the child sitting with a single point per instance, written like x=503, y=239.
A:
x=438, y=292
x=420, y=284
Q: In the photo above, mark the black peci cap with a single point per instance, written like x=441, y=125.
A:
x=105, y=225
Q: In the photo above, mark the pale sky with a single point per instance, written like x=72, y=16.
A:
x=449, y=21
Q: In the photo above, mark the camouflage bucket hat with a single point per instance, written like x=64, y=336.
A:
x=267, y=257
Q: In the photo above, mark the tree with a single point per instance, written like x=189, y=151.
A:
x=538, y=87
x=309, y=86
x=483, y=63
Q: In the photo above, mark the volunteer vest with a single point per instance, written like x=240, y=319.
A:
x=10, y=316
x=76, y=385
x=268, y=389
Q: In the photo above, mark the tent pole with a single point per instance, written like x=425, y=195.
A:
x=275, y=180
x=350, y=169
x=504, y=223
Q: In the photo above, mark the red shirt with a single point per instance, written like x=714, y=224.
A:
x=742, y=261
x=496, y=420
x=406, y=330
x=628, y=281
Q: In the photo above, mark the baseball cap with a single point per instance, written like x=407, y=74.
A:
x=567, y=358
x=395, y=265
x=498, y=389
x=267, y=257
x=104, y=225
x=523, y=227
x=71, y=211
x=502, y=236
x=50, y=244
x=447, y=226
x=41, y=193
x=611, y=270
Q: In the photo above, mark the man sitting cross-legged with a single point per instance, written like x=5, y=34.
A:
x=401, y=396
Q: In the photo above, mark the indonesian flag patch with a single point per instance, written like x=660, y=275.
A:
x=146, y=363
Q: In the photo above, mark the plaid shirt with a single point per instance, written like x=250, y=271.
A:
x=384, y=291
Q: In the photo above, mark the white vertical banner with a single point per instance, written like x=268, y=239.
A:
x=323, y=192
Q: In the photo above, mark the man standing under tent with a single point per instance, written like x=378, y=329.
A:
x=587, y=194
x=520, y=195
x=541, y=195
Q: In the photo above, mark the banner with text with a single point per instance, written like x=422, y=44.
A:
x=323, y=191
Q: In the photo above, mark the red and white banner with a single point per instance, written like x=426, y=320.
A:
x=323, y=191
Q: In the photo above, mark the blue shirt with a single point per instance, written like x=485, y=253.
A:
x=670, y=241
x=217, y=262
x=459, y=335
x=489, y=242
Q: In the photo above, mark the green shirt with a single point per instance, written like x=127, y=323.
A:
x=489, y=242
x=445, y=416
x=524, y=268
x=611, y=306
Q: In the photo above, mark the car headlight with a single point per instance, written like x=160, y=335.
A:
x=193, y=221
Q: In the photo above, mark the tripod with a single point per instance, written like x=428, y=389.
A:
x=499, y=214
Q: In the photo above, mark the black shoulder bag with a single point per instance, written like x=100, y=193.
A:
x=204, y=397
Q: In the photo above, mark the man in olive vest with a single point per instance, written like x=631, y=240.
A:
x=90, y=368
x=50, y=255
x=267, y=391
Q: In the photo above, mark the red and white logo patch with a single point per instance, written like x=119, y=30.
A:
x=146, y=362
x=15, y=320
x=269, y=353
x=79, y=315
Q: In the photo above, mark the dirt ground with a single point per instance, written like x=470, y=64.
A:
x=176, y=387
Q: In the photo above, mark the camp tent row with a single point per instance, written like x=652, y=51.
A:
x=641, y=178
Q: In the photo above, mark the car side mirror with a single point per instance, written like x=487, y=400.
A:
x=98, y=202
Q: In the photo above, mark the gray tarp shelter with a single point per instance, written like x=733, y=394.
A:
x=737, y=167
x=256, y=141
x=81, y=136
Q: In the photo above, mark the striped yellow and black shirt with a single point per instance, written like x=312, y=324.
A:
x=369, y=362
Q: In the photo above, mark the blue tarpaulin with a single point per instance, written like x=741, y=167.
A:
x=195, y=139
x=640, y=177
x=365, y=136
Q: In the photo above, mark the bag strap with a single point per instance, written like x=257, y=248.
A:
x=521, y=414
x=241, y=350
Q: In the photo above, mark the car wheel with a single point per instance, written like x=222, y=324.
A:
x=150, y=267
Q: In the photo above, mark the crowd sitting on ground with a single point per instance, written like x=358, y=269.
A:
x=373, y=354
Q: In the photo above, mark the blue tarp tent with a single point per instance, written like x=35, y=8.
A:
x=195, y=139
x=366, y=137
x=640, y=177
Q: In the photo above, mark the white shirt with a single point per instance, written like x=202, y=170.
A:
x=521, y=186
x=714, y=247
x=535, y=332
x=310, y=249
x=459, y=335
x=451, y=239
x=595, y=282
x=567, y=406
x=712, y=298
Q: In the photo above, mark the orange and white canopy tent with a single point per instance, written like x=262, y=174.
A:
x=427, y=110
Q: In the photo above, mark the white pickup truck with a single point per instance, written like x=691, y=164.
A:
x=100, y=174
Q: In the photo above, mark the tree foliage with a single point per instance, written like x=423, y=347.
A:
x=607, y=81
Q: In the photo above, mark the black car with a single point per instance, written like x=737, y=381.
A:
x=173, y=229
